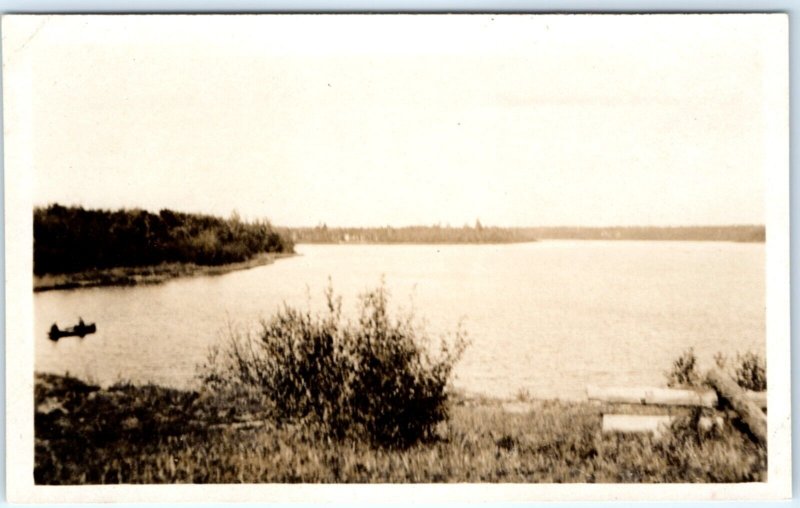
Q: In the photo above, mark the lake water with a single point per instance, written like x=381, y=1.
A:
x=548, y=317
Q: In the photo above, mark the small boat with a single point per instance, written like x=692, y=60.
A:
x=80, y=330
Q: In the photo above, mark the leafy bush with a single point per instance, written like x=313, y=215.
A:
x=375, y=378
x=684, y=370
x=750, y=371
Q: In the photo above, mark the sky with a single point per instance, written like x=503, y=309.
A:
x=399, y=120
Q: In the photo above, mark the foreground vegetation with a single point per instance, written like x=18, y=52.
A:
x=72, y=239
x=320, y=398
x=748, y=370
x=376, y=379
x=147, y=434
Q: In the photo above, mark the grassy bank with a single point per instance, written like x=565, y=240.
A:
x=150, y=434
x=131, y=276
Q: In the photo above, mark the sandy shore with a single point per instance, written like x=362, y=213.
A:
x=131, y=276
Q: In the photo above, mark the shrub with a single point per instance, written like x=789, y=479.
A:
x=375, y=378
x=750, y=371
x=684, y=370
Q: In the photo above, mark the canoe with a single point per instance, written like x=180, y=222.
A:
x=80, y=330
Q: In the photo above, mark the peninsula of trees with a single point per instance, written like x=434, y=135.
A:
x=72, y=239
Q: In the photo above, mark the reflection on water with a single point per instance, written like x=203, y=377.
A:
x=546, y=317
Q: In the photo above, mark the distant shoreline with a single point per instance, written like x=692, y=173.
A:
x=140, y=275
x=509, y=242
x=501, y=235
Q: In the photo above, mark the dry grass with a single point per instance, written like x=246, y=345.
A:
x=130, y=434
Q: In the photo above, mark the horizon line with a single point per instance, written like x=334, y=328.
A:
x=412, y=225
x=560, y=226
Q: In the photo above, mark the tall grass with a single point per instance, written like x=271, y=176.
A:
x=128, y=434
x=377, y=378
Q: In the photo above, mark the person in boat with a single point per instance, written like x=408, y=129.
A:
x=81, y=324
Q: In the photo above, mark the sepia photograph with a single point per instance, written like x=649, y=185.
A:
x=309, y=257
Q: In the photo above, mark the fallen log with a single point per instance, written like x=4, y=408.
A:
x=760, y=398
x=749, y=412
x=653, y=424
x=653, y=396
x=664, y=396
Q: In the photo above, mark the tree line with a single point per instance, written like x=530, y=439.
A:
x=72, y=239
x=410, y=234
x=483, y=234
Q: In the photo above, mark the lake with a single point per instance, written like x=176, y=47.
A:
x=546, y=318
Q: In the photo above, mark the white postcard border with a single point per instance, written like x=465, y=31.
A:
x=17, y=31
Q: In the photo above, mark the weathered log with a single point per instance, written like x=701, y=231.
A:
x=664, y=396
x=653, y=396
x=655, y=424
x=748, y=411
x=679, y=397
x=617, y=394
x=636, y=423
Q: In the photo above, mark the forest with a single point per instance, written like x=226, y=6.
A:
x=72, y=239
